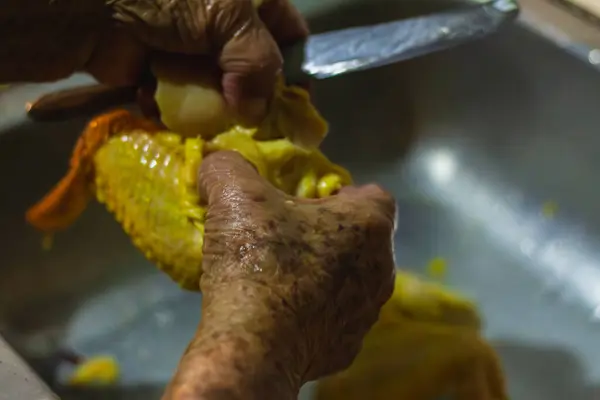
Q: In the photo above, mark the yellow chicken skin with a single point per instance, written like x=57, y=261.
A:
x=425, y=345
x=180, y=89
x=426, y=342
x=147, y=178
x=100, y=370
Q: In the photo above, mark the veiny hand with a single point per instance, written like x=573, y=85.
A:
x=113, y=39
x=290, y=286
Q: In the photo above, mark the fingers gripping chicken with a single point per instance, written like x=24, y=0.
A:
x=427, y=341
x=147, y=177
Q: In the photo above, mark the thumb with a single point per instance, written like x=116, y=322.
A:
x=249, y=56
x=375, y=197
x=225, y=176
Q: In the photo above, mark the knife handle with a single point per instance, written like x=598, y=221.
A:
x=73, y=102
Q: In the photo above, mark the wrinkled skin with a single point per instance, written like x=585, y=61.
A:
x=113, y=40
x=290, y=286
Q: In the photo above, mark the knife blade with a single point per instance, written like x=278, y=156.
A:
x=324, y=55
x=340, y=52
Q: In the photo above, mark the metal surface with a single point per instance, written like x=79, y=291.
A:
x=18, y=381
x=473, y=142
x=324, y=55
x=336, y=53
x=571, y=31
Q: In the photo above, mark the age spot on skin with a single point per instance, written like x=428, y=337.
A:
x=259, y=198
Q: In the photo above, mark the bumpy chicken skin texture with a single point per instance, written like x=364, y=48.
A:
x=147, y=178
x=426, y=344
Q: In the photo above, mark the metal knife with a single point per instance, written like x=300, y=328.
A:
x=325, y=55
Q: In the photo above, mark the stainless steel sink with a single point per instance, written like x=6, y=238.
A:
x=492, y=150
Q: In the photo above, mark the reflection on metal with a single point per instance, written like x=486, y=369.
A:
x=441, y=166
x=594, y=57
x=355, y=49
x=562, y=256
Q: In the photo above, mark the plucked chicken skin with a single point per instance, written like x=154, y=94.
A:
x=425, y=345
x=427, y=341
x=147, y=176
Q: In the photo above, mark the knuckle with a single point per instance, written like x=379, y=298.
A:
x=222, y=159
x=226, y=17
x=379, y=223
x=237, y=28
x=383, y=198
x=256, y=54
x=380, y=203
x=235, y=23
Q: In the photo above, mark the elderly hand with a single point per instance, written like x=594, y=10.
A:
x=290, y=286
x=113, y=39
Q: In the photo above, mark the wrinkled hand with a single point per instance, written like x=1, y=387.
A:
x=294, y=284
x=113, y=39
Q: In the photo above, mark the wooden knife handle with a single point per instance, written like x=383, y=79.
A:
x=79, y=101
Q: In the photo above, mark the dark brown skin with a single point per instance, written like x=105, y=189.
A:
x=290, y=286
x=46, y=40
